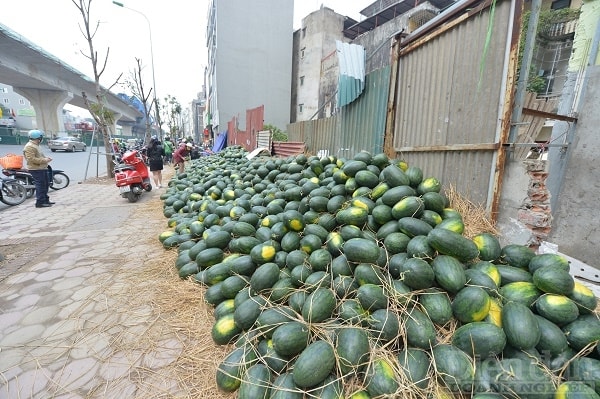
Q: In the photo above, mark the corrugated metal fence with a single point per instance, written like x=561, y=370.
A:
x=450, y=102
x=358, y=126
x=454, y=94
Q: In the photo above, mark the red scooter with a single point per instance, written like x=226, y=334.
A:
x=132, y=176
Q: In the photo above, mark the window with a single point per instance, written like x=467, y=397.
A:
x=560, y=4
x=302, y=52
x=6, y=101
x=301, y=80
x=300, y=107
x=304, y=32
x=3, y=89
x=21, y=101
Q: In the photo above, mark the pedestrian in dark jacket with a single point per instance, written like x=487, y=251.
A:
x=155, y=153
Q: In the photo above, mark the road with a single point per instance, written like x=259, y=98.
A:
x=74, y=164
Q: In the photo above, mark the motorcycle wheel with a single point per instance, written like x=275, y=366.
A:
x=13, y=192
x=24, y=182
x=59, y=181
x=132, y=197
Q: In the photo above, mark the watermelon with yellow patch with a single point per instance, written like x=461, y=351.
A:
x=380, y=378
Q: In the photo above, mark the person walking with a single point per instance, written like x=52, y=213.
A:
x=168, y=146
x=37, y=163
x=155, y=153
x=179, y=156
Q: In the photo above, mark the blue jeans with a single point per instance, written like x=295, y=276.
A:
x=40, y=179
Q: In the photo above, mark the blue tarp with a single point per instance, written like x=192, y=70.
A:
x=220, y=141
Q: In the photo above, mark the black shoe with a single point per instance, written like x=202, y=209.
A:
x=50, y=202
x=43, y=205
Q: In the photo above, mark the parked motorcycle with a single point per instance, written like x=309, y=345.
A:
x=132, y=176
x=57, y=179
x=12, y=191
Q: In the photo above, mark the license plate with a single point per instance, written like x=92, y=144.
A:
x=124, y=189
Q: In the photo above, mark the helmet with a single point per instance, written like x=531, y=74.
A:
x=189, y=145
x=154, y=138
x=36, y=134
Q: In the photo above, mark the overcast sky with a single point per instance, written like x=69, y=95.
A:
x=178, y=29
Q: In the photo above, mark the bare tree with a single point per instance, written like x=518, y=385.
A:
x=136, y=86
x=103, y=117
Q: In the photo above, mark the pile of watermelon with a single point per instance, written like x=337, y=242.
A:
x=352, y=278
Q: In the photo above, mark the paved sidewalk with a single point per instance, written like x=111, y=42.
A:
x=64, y=329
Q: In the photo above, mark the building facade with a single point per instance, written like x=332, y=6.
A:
x=315, y=66
x=17, y=111
x=249, y=61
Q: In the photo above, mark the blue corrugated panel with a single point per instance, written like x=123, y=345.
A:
x=351, y=83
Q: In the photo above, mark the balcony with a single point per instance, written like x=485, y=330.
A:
x=560, y=30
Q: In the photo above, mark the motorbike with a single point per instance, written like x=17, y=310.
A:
x=132, y=176
x=57, y=179
x=12, y=191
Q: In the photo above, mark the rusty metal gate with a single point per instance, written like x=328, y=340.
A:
x=451, y=96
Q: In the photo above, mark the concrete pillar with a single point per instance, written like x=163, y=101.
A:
x=115, y=127
x=48, y=105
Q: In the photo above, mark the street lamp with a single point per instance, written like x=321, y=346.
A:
x=151, y=53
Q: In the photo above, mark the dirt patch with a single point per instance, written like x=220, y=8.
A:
x=14, y=254
x=99, y=180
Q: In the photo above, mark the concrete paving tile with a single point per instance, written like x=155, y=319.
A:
x=139, y=315
x=22, y=336
x=76, y=373
x=61, y=330
x=123, y=389
x=12, y=362
x=50, y=354
x=167, y=351
x=84, y=293
x=112, y=370
x=69, y=284
x=20, y=278
x=9, y=319
x=158, y=386
x=92, y=345
x=104, y=245
x=43, y=266
x=75, y=309
x=66, y=302
x=79, y=271
x=131, y=334
x=40, y=315
x=54, y=297
x=72, y=256
x=10, y=329
x=87, y=241
x=11, y=294
x=27, y=384
x=69, y=395
x=95, y=253
x=40, y=288
x=51, y=275
x=59, y=249
x=41, y=234
x=16, y=234
x=7, y=375
x=104, y=319
x=25, y=301
x=65, y=261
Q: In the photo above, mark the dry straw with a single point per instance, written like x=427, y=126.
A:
x=179, y=313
